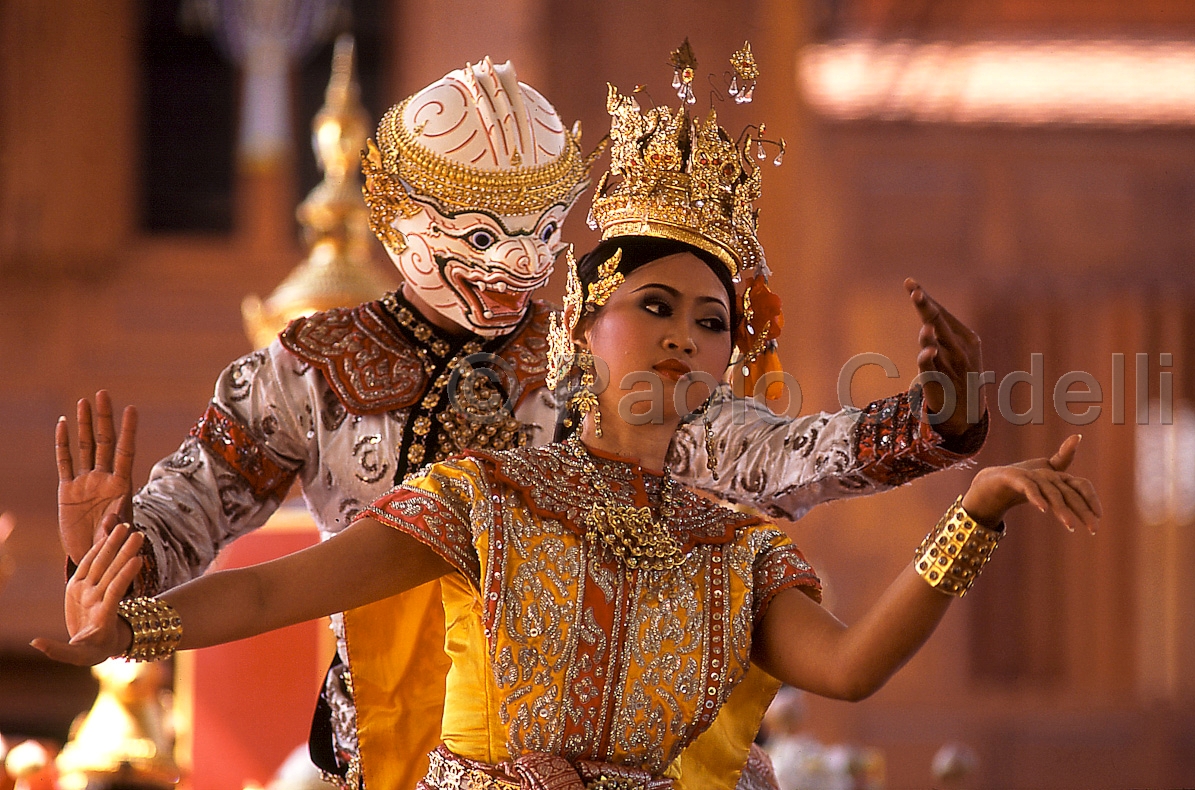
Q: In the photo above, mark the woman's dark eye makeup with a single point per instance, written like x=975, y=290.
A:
x=658, y=305
x=715, y=324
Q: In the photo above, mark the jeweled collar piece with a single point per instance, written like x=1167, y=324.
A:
x=557, y=485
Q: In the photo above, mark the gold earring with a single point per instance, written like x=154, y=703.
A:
x=585, y=401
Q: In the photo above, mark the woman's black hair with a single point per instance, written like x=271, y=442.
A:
x=638, y=251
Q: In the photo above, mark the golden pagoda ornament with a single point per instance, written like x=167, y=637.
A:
x=339, y=270
x=126, y=739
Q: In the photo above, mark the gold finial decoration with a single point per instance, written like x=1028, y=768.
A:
x=684, y=64
x=742, y=83
x=339, y=270
x=677, y=177
x=608, y=280
x=126, y=737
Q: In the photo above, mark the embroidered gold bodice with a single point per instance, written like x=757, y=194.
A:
x=556, y=644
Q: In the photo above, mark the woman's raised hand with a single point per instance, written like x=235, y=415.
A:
x=1042, y=481
x=92, y=594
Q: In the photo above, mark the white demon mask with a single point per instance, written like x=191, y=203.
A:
x=468, y=185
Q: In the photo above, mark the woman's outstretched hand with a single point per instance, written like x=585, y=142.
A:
x=1042, y=481
x=92, y=594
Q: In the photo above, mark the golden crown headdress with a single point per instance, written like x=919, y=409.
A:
x=687, y=180
x=677, y=177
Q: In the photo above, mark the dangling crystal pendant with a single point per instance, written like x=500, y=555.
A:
x=743, y=63
x=590, y=220
x=733, y=90
x=676, y=79
x=760, y=153
x=779, y=158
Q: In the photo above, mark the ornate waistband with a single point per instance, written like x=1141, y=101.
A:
x=448, y=771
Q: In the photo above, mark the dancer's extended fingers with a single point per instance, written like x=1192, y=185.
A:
x=933, y=314
x=127, y=555
x=1076, y=502
x=1058, y=503
x=62, y=651
x=107, y=553
x=122, y=465
x=943, y=320
x=1083, y=487
x=1062, y=459
x=926, y=307
x=120, y=583
x=86, y=435
x=1088, y=492
x=106, y=525
x=62, y=451
x=1053, y=497
x=926, y=358
x=1029, y=488
x=84, y=567
x=105, y=433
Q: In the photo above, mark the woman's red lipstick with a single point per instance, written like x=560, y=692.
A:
x=672, y=369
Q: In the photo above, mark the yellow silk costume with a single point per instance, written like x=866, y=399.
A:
x=553, y=645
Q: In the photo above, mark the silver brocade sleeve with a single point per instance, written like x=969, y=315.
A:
x=232, y=471
x=785, y=466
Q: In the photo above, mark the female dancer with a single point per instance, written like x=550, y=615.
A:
x=612, y=649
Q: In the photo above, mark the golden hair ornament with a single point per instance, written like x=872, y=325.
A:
x=561, y=350
x=608, y=280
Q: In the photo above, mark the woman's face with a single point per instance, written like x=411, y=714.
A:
x=668, y=322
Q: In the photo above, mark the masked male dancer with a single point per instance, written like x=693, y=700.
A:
x=468, y=186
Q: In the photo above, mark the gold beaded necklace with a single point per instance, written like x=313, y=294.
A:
x=632, y=533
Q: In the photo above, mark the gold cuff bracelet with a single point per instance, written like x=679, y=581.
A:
x=955, y=551
x=157, y=628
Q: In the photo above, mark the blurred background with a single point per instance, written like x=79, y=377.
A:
x=1032, y=163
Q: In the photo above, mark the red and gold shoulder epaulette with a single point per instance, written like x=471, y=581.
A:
x=373, y=368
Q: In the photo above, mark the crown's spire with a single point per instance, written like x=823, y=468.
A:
x=684, y=63
x=742, y=84
x=675, y=176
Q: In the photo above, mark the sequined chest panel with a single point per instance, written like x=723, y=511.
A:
x=597, y=660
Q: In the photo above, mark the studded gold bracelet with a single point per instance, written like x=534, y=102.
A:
x=955, y=551
x=157, y=628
